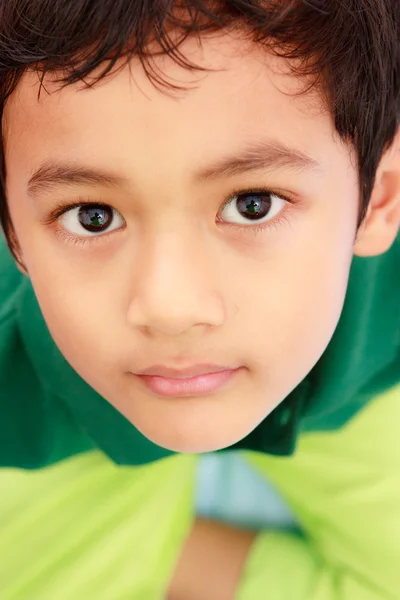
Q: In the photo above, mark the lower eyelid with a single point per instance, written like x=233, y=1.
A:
x=70, y=239
x=84, y=240
x=257, y=228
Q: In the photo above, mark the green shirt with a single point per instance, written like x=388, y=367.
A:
x=48, y=413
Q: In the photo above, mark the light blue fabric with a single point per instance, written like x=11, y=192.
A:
x=231, y=490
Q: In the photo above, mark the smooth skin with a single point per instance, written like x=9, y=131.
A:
x=179, y=279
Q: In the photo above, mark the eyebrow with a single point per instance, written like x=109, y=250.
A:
x=258, y=155
x=53, y=173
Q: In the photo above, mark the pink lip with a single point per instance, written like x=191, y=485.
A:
x=198, y=385
x=194, y=371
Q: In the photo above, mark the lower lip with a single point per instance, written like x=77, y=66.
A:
x=194, y=386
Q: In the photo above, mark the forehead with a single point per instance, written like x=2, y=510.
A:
x=247, y=91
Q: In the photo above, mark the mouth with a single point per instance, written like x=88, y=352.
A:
x=181, y=386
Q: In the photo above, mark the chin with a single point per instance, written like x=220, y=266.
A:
x=193, y=427
x=184, y=444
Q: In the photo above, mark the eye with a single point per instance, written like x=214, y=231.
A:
x=252, y=207
x=88, y=220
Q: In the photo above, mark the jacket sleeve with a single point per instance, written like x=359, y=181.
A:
x=87, y=528
x=344, y=487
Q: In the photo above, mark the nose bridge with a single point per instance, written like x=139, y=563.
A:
x=171, y=256
x=175, y=283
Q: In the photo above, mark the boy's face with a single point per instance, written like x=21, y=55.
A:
x=177, y=279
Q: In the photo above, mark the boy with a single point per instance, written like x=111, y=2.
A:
x=216, y=266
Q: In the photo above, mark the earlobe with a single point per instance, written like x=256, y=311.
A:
x=382, y=222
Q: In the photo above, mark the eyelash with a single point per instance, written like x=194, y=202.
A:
x=254, y=228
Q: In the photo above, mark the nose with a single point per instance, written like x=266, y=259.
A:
x=175, y=288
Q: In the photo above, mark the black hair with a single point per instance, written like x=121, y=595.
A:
x=349, y=48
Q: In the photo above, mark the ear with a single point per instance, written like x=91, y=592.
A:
x=382, y=222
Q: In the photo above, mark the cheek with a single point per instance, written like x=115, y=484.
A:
x=317, y=277
x=78, y=301
x=319, y=298
x=296, y=309
x=80, y=320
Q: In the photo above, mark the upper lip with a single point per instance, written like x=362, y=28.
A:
x=193, y=371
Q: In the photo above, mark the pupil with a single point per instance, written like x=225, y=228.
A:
x=255, y=206
x=95, y=218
